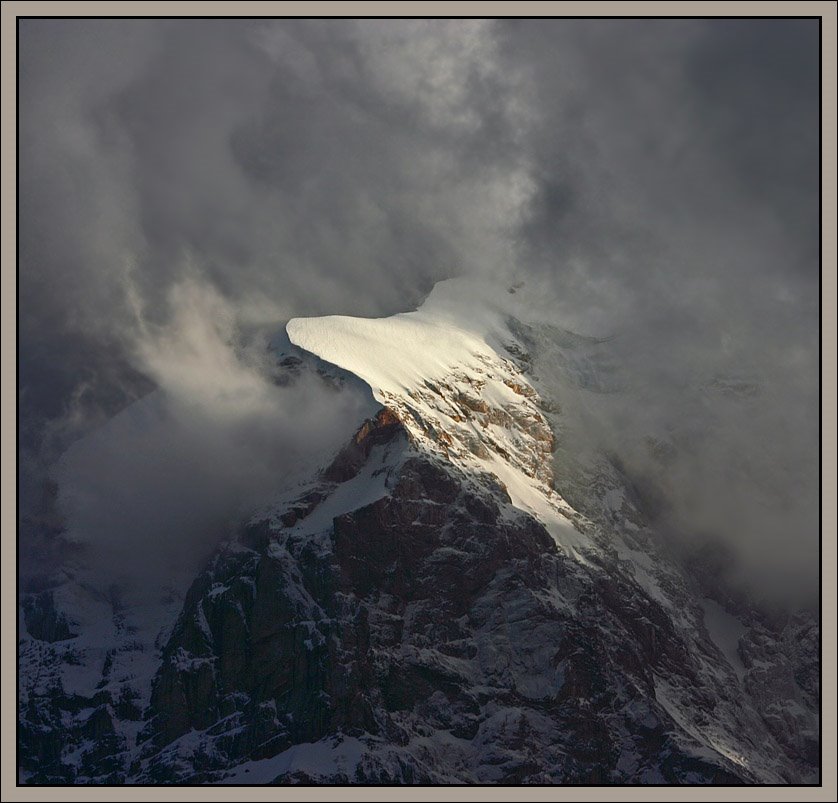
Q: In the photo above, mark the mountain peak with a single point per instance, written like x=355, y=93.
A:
x=465, y=592
x=439, y=371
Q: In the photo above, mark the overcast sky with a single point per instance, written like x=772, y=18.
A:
x=185, y=183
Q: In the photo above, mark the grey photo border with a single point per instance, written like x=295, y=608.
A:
x=828, y=11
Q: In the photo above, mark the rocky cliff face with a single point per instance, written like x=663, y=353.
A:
x=429, y=608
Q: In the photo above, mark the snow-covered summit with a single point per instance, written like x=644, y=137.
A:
x=449, y=332
x=447, y=373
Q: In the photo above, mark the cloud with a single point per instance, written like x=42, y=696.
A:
x=154, y=489
x=676, y=207
x=188, y=185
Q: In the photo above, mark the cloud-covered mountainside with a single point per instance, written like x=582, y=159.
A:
x=465, y=586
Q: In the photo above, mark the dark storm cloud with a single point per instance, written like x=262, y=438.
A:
x=651, y=133
x=657, y=179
